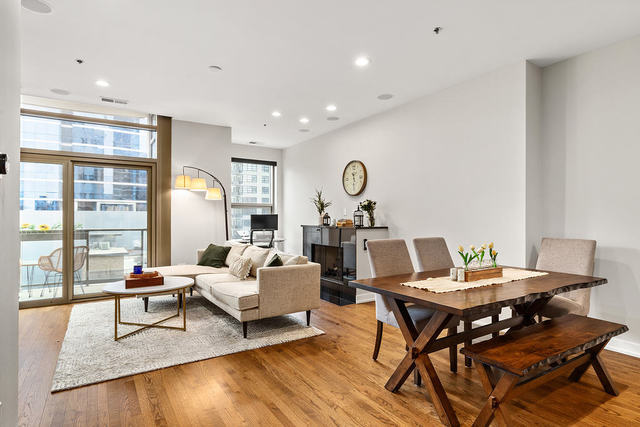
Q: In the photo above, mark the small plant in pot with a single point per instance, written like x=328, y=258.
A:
x=369, y=206
x=321, y=204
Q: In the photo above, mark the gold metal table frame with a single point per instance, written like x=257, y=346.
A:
x=181, y=296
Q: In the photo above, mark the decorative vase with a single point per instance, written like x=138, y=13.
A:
x=372, y=221
x=320, y=218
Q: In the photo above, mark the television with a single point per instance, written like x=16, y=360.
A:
x=264, y=222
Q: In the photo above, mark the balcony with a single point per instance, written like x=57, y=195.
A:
x=100, y=256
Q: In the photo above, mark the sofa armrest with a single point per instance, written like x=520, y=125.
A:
x=288, y=289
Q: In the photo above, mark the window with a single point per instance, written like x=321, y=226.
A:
x=245, y=176
x=62, y=131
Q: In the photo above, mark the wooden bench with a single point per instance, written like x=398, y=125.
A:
x=532, y=355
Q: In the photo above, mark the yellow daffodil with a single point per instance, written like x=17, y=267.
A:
x=460, y=248
x=44, y=227
x=491, y=245
x=472, y=247
x=484, y=246
x=25, y=225
x=493, y=252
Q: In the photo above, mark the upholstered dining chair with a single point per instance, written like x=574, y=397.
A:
x=433, y=254
x=574, y=256
x=389, y=257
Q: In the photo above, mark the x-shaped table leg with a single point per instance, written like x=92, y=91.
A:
x=417, y=357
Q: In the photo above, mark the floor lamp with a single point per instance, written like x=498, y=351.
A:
x=186, y=182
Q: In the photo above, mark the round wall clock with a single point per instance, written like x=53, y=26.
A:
x=354, y=177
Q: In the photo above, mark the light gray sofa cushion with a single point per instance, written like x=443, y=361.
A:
x=239, y=295
x=187, y=270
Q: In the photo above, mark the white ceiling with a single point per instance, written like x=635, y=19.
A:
x=296, y=56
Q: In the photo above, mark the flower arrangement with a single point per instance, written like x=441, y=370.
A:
x=369, y=206
x=467, y=257
x=493, y=254
x=478, y=254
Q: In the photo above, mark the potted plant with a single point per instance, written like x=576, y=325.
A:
x=321, y=204
x=369, y=206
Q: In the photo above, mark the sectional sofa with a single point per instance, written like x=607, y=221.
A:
x=267, y=292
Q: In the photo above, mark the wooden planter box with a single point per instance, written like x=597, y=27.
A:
x=152, y=278
x=483, y=273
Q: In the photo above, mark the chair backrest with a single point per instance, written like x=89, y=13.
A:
x=51, y=262
x=433, y=253
x=79, y=257
x=387, y=257
x=575, y=256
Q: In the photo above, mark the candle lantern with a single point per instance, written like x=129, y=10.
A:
x=326, y=219
x=358, y=218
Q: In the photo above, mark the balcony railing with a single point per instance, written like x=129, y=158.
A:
x=111, y=253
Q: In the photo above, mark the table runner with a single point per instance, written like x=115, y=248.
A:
x=444, y=284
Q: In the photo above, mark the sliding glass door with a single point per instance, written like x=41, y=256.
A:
x=41, y=232
x=83, y=224
x=110, y=223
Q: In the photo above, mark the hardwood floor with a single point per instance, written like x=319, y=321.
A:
x=325, y=380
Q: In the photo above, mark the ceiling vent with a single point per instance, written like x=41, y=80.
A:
x=114, y=100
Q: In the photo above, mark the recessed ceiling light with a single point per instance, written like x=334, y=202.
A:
x=303, y=130
x=215, y=68
x=331, y=107
x=60, y=91
x=276, y=114
x=304, y=120
x=362, y=61
x=333, y=118
x=36, y=6
x=102, y=83
x=385, y=96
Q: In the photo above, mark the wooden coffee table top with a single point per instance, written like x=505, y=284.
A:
x=171, y=283
x=479, y=300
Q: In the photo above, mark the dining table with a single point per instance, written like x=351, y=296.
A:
x=526, y=297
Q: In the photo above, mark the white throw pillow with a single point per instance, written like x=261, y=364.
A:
x=258, y=257
x=234, y=253
x=240, y=267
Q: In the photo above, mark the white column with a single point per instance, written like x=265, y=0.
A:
x=9, y=189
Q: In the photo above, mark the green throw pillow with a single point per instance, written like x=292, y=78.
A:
x=214, y=256
x=276, y=261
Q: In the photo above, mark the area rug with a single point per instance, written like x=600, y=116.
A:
x=90, y=355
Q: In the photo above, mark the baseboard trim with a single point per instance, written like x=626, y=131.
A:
x=619, y=345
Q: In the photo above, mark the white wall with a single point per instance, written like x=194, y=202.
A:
x=196, y=222
x=9, y=225
x=534, y=173
x=591, y=134
x=450, y=164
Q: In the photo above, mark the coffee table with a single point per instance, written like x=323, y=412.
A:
x=172, y=285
